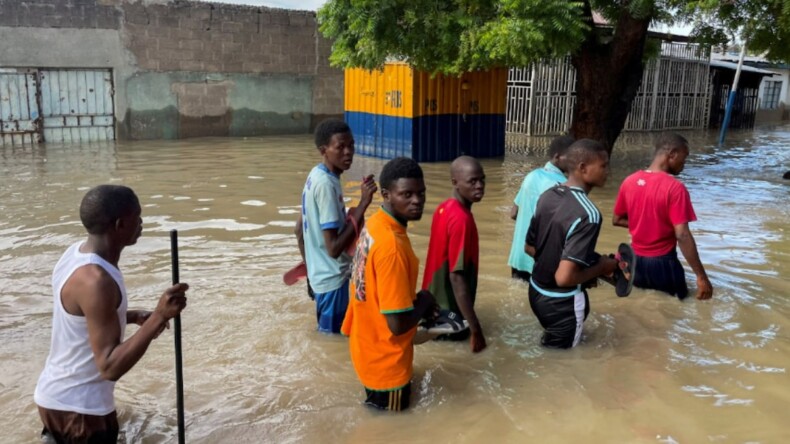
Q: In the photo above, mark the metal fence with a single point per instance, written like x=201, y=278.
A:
x=674, y=94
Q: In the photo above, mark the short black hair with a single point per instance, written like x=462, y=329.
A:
x=559, y=145
x=583, y=151
x=103, y=205
x=328, y=128
x=670, y=141
x=399, y=168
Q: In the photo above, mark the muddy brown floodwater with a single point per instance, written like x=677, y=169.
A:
x=651, y=369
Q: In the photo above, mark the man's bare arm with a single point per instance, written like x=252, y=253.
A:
x=98, y=296
x=337, y=242
x=400, y=323
x=464, y=301
x=530, y=249
x=299, y=233
x=689, y=249
x=620, y=221
x=570, y=273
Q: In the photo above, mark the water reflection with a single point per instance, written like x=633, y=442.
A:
x=651, y=369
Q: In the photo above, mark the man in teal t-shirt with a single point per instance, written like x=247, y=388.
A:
x=535, y=183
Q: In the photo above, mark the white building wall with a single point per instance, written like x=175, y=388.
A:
x=783, y=75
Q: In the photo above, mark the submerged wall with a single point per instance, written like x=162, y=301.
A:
x=184, y=68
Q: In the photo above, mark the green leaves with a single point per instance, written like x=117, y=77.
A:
x=453, y=36
x=450, y=36
x=763, y=24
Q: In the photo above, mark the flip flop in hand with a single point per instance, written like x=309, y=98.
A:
x=623, y=277
x=296, y=273
x=625, y=273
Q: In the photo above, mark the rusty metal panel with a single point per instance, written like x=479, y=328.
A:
x=77, y=105
x=19, y=113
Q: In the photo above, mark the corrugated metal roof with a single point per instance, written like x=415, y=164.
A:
x=734, y=66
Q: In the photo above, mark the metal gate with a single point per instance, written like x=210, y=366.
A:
x=56, y=105
x=674, y=94
x=19, y=112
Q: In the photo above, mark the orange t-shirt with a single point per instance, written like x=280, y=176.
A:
x=383, y=280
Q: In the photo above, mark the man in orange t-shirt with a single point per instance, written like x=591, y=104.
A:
x=383, y=310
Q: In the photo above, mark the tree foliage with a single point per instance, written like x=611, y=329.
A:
x=453, y=36
x=763, y=24
x=450, y=36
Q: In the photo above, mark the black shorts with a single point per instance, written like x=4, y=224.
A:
x=518, y=274
x=561, y=318
x=663, y=273
x=393, y=400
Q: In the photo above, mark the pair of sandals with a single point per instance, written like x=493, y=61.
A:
x=447, y=322
x=623, y=277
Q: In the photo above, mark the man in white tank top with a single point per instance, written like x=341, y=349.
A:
x=74, y=393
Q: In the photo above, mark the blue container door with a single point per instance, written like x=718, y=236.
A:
x=485, y=135
x=375, y=135
x=444, y=137
x=437, y=138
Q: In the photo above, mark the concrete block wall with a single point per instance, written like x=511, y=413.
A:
x=185, y=68
x=190, y=36
x=328, y=84
x=81, y=14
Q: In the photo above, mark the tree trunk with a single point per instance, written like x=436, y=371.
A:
x=608, y=76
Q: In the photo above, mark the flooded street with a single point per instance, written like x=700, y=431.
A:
x=651, y=369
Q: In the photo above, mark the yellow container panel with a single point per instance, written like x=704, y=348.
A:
x=384, y=92
x=479, y=92
x=397, y=111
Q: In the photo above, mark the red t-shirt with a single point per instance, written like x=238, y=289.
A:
x=453, y=247
x=654, y=203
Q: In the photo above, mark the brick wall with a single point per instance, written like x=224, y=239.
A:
x=83, y=14
x=180, y=37
x=328, y=84
x=190, y=36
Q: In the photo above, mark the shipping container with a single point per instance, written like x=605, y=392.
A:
x=399, y=111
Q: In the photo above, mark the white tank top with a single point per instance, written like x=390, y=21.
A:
x=71, y=381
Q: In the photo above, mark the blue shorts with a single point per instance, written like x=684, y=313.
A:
x=663, y=273
x=330, y=309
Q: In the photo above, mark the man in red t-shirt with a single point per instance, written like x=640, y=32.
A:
x=452, y=262
x=656, y=208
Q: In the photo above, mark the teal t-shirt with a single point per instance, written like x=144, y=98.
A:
x=323, y=208
x=535, y=183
